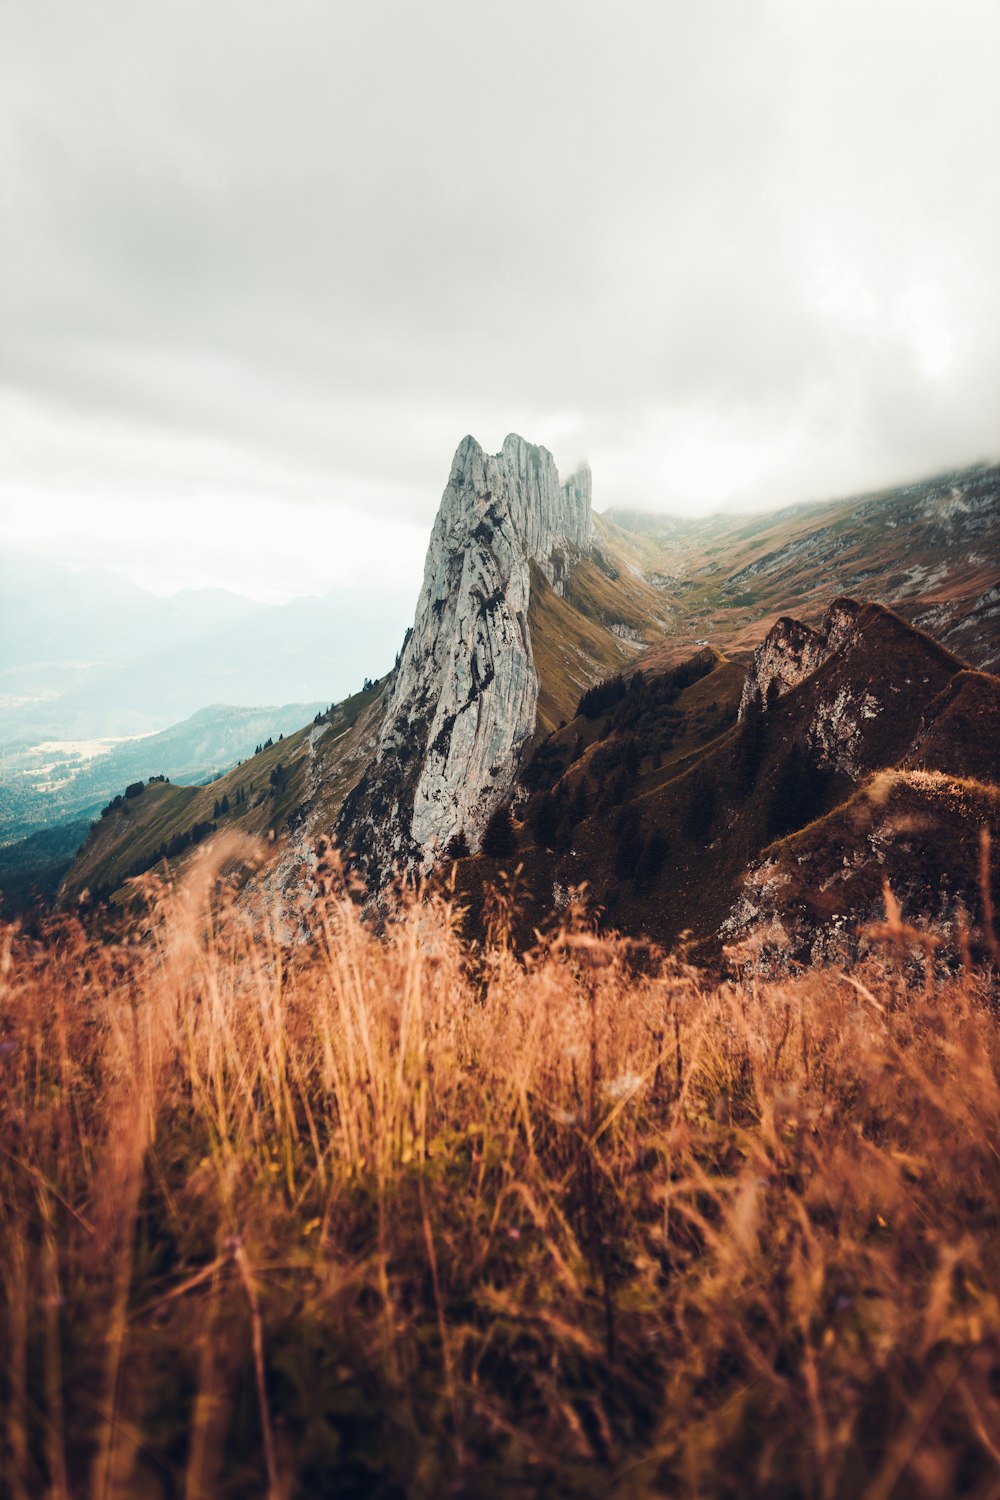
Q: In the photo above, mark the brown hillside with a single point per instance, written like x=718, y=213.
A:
x=930, y=550
x=961, y=729
x=571, y=651
x=660, y=802
x=865, y=704
x=919, y=832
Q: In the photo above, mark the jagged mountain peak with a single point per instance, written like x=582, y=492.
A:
x=792, y=650
x=519, y=485
x=463, y=701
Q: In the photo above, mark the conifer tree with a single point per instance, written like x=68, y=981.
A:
x=749, y=748
x=580, y=805
x=546, y=820
x=499, y=838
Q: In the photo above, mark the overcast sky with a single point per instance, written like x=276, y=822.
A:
x=265, y=262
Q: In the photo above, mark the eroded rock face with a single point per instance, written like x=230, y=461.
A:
x=791, y=651
x=837, y=731
x=813, y=898
x=462, y=702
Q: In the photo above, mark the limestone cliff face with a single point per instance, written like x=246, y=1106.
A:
x=791, y=651
x=462, y=702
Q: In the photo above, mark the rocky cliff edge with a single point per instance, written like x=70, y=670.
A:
x=462, y=702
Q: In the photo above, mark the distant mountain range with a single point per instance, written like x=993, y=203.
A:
x=691, y=718
x=49, y=793
x=52, y=782
x=90, y=655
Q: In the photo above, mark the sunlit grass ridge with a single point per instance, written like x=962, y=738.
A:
x=392, y=1215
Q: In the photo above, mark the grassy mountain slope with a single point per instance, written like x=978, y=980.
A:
x=608, y=613
x=961, y=729
x=572, y=645
x=930, y=550
x=54, y=782
x=277, y=785
x=34, y=867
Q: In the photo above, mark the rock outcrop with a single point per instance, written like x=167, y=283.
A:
x=791, y=651
x=814, y=894
x=462, y=703
x=898, y=737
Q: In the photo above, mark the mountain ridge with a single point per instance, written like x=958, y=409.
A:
x=928, y=550
x=707, y=748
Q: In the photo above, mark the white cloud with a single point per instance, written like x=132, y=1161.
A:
x=277, y=261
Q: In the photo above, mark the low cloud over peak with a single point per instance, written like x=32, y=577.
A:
x=265, y=258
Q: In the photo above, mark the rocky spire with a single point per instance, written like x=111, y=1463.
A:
x=462, y=702
x=791, y=651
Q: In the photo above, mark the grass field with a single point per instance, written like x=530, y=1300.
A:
x=393, y=1216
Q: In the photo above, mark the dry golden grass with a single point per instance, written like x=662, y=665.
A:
x=390, y=1217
